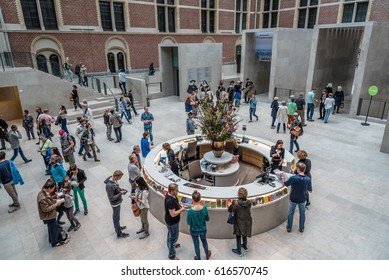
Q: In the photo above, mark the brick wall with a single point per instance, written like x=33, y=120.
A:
x=9, y=10
x=142, y=15
x=379, y=11
x=227, y=4
x=286, y=19
x=90, y=48
x=328, y=14
x=328, y=1
x=226, y=20
x=288, y=4
x=189, y=3
x=76, y=12
x=189, y=18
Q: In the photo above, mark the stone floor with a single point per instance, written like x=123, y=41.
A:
x=348, y=219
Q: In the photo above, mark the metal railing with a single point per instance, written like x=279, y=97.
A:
x=284, y=93
x=378, y=109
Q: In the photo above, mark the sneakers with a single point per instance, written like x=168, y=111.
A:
x=146, y=234
x=288, y=229
x=97, y=160
x=86, y=212
x=27, y=161
x=61, y=223
x=60, y=243
x=71, y=228
x=301, y=230
x=123, y=227
x=208, y=256
x=13, y=210
x=76, y=212
x=117, y=141
x=235, y=251
x=174, y=259
x=195, y=258
x=245, y=248
x=123, y=235
x=77, y=227
x=11, y=205
x=140, y=231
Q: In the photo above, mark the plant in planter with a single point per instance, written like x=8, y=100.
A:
x=217, y=122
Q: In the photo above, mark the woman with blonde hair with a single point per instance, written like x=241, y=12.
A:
x=243, y=221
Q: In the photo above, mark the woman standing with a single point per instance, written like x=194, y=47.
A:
x=141, y=197
x=172, y=161
x=303, y=158
x=339, y=99
x=196, y=219
x=62, y=114
x=57, y=170
x=243, y=221
x=274, y=109
x=277, y=153
x=253, y=107
x=77, y=179
x=45, y=149
x=145, y=144
x=116, y=122
x=108, y=125
x=322, y=99
x=296, y=130
x=188, y=107
x=282, y=116
x=329, y=106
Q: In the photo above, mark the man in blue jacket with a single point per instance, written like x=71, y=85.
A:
x=9, y=176
x=299, y=185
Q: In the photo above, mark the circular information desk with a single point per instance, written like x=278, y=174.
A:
x=225, y=158
x=223, y=173
x=269, y=203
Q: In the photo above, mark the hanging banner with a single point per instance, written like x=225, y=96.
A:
x=263, y=45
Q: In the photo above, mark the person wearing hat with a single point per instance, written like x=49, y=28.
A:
x=190, y=124
x=296, y=130
x=67, y=145
x=274, y=109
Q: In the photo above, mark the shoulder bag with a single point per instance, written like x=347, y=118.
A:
x=135, y=210
x=231, y=218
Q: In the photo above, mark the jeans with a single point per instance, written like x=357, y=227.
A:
x=46, y=131
x=63, y=125
x=109, y=131
x=322, y=110
x=310, y=110
x=327, y=115
x=80, y=151
x=273, y=121
x=116, y=219
x=292, y=207
x=53, y=231
x=252, y=113
x=118, y=133
x=172, y=237
x=122, y=86
x=237, y=102
x=133, y=108
x=2, y=143
x=195, y=237
x=279, y=125
x=293, y=140
x=125, y=115
x=60, y=211
x=239, y=242
x=30, y=132
x=76, y=103
x=77, y=191
x=11, y=190
x=150, y=131
x=19, y=151
x=70, y=215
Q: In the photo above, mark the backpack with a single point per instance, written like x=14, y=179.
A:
x=73, y=139
x=62, y=235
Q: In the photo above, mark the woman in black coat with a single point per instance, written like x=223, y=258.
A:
x=274, y=108
x=243, y=221
x=339, y=99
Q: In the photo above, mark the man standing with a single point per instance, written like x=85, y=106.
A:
x=131, y=97
x=10, y=177
x=44, y=122
x=47, y=211
x=14, y=136
x=300, y=184
x=28, y=124
x=190, y=124
x=311, y=106
x=122, y=81
x=3, y=133
x=67, y=145
x=115, y=197
x=147, y=119
x=39, y=112
x=300, y=102
x=172, y=218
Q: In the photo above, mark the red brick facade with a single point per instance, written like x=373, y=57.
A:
x=328, y=1
x=9, y=11
x=142, y=15
x=226, y=20
x=285, y=4
x=229, y=5
x=286, y=19
x=379, y=11
x=328, y=14
x=189, y=18
x=76, y=12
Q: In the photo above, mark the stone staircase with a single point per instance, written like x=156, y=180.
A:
x=99, y=104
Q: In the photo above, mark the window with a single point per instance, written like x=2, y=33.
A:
x=270, y=13
x=41, y=62
x=119, y=16
x=208, y=16
x=120, y=59
x=55, y=66
x=111, y=62
x=32, y=14
x=105, y=14
x=355, y=11
x=307, y=13
x=166, y=16
x=240, y=15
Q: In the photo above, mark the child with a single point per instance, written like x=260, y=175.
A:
x=68, y=205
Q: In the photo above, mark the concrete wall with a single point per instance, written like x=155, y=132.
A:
x=257, y=71
x=336, y=58
x=40, y=89
x=166, y=66
x=385, y=139
x=373, y=70
x=290, y=61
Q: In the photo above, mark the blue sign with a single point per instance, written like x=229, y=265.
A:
x=264, y=45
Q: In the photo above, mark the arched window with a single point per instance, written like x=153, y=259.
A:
x=111, y=62
x=41, y=62
x=55, y=65
x=120, y=58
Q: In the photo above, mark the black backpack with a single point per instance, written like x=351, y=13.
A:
x=62, y=235
x=73, y=139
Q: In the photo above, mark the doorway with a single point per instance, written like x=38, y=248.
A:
x=10, y=106
x=176, y=72
x=238, y=57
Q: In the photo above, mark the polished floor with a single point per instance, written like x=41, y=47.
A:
x=348, y=219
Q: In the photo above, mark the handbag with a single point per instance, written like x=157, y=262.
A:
x=135, y=210
x=342, y=105
x=71, y=99
x=296, y=131
x=231, y=218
